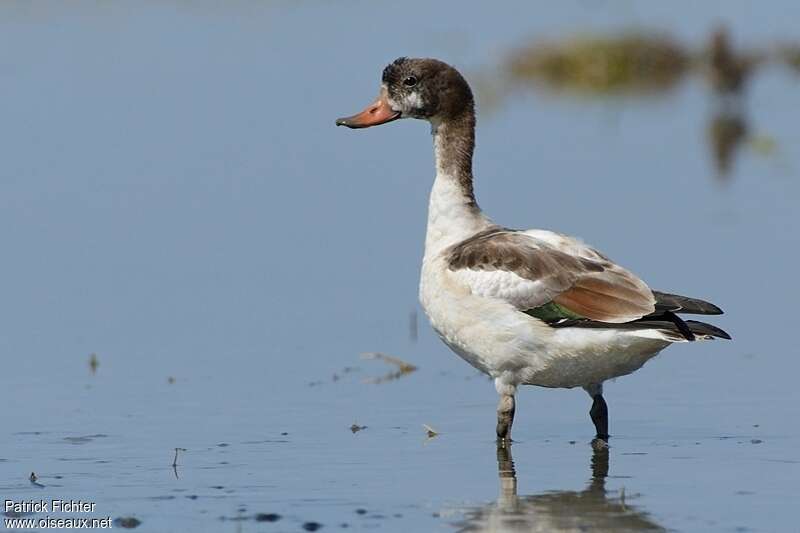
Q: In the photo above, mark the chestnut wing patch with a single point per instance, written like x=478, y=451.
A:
x=594, y=288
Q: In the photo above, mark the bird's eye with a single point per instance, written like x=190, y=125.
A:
x=410, y=81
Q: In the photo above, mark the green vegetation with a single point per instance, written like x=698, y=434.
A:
x=594, y=64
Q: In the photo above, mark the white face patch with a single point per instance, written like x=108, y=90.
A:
x=392, y=103
x=414, y=101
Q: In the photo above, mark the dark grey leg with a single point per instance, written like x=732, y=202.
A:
x=599, y=410
x=505, y=417
x=599, y=414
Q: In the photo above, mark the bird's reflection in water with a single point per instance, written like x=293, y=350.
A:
x=727, y=130
x=592, y=509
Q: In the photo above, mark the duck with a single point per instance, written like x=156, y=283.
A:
x=526, y=307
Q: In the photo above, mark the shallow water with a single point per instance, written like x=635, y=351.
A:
x=176, y=201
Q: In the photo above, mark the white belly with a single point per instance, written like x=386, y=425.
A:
x=499, y=340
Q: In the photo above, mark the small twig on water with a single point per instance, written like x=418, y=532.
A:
x=403, y=367
x=175, y=460
x=430, y=431
x=392, y=360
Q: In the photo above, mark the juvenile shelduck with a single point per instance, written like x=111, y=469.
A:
x=527, y=307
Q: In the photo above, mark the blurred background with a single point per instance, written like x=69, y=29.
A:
x=194, y=257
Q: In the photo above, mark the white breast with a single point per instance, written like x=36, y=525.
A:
x=489, y=333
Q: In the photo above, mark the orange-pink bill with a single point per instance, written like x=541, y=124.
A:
x=378, y=112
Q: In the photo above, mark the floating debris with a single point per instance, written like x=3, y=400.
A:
x=127, y=522
x=93, y=363
x=312, y=526
x=171, y=380
x=594, y=64
x=84, y=439
x=403, y=368
x=267, y=517
x=33, y=479
x=335, y=377
x=430, y=431
x=355, y=428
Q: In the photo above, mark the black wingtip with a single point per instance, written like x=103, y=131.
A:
x=702, y=328
x=721, y=333
x=683, y=304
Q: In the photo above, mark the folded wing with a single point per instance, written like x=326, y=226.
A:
x=531, y=269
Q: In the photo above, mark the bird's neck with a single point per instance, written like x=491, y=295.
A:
x=454, y=143
x=453, y=213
